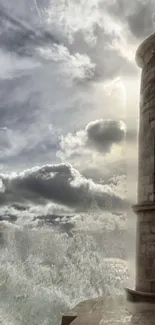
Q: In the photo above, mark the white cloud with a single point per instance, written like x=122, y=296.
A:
x=70, y=17
x=64, y=82
x=61, y=184
x=12, y=66
x=58, y=83
x=98, y=146
x=76, y=67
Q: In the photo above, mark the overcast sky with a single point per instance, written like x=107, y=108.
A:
x=69, y=91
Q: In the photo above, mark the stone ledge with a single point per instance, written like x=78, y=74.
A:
x=144, y=206
x=140, y=297
x=145, y=51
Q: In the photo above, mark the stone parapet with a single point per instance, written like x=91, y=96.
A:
x=144, y=207
x=145, y=51
x=140, y=297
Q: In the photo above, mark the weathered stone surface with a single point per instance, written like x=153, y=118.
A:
x=145, y=208
x=150, y=250
x=145, y=261
x=148, y=106
x=145, y=52
x=152, y=228
x=153, y=124
x=148, y=93
x=147, y=238
x=145, y=273
x=148, y=76
x=149, y=216
x=143, y=285
x=153, y=286
x=144, y=227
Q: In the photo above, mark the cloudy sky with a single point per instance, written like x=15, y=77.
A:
x=69, y=90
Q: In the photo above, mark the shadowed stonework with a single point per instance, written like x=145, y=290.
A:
x=145, y=208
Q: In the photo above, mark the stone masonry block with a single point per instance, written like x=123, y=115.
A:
x=147, y=191
x=142, y=249
x=144, y=286
x=140, y=217
x=150, y=188
x=144, y=198
x=145, y=179
x=152, y=227
x=145, y=273
x=149, y=274
x=149, y=216
x=151, y=113
x=151, y=197
x=152, y=124
x=144, y=227
x=148, y=93
x=148, y=55
x=147, y=238
x=151, y=62
x=148, y=77
x=152, y=286
x=150, y=249
x=148, y=105
x=145, y=261
x=152, y=158
x=147, y=47
x=140, y=272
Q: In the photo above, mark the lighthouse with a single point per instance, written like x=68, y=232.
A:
x=97, y=311
x=145, y=208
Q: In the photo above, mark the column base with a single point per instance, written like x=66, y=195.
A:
x=135, y=296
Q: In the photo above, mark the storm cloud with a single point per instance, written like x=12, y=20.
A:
x=103, y=134
x=99, y=135
x=51, y=68
x=19, y=37
x=61, y=184
x=136, y=15
x=55, y=63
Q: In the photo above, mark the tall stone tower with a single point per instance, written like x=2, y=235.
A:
x=145, y=207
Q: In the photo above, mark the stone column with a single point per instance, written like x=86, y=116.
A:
x=145, y=207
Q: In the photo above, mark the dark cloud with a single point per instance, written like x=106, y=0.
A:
x=20, y=37
x=99, y=135
x=58, y=183
x=51, y=92
x=62, y=223
x=138, y=15
x=23, y=37
x=109, y=61
x=141, y=22
x=103, y=134
x=101, y=175
x=57, y=221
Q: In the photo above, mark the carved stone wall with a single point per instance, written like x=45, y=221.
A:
x=145, y=266
x=145, y=275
